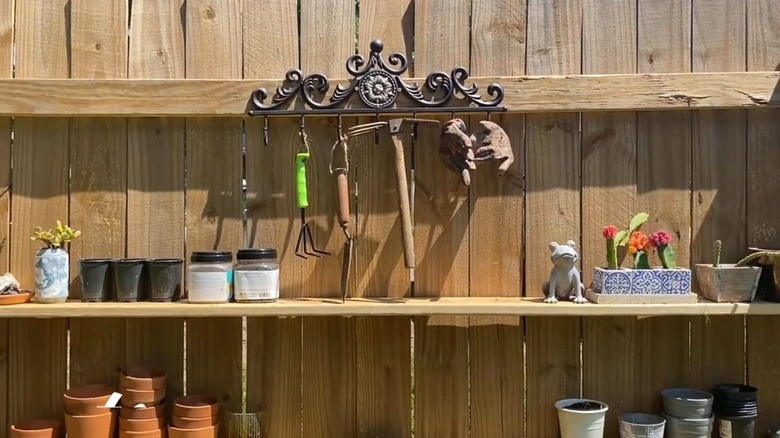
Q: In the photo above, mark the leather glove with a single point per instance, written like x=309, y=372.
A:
x=455, y=149
x=492, y=143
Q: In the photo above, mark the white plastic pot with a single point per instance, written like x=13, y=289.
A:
x=581, y=424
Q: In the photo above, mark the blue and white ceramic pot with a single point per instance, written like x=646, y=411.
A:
x=52, y=275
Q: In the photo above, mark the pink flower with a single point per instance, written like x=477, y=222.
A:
x=609, y=232
x=660, y=238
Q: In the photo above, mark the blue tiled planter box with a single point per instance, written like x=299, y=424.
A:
x=656, y=281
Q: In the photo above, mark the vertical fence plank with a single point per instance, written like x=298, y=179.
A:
x=213, y=197
x=552, y=212
x=384, y=380
x=608, y=197
x=37, y=348
x=718, y=175
x=329, y=403
x=98, y=198
x=155, y=183
x=496, y=234
x=763, y=212
x=441, y=232
x=6, y=71
x=664, y=29
x=273, y=348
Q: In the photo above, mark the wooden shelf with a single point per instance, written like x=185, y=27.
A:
x=380, y=307
x=523, y=94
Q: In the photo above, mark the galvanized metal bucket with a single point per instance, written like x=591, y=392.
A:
x=638, y=425
x=244, y=425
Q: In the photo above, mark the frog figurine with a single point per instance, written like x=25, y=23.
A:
x=564, y=277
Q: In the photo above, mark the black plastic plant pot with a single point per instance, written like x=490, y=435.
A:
x=735, y=392
x=165, y=279
x=129, y=280
x=95, y=279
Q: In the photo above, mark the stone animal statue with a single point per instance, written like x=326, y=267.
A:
x=491, y=143
x=455, y=149
x=564, y=277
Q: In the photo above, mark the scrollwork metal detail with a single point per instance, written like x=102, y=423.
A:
x=379, y=85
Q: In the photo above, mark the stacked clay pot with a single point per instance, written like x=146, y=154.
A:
x=85, y=414
x=38, y=429
x=142, y=414
x=195, y=416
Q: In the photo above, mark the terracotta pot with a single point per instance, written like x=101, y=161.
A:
x=142, y=378
x=91, y=426
x=131, y=397
x=144, y=425
x=37, y=429
x=85, y=400
x=142, y=413
x=194, y=423
x=206, y=432
x=196, y=406
x=158, y=433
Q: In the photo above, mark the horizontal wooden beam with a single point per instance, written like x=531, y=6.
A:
x=523, y=94
x=380, y=307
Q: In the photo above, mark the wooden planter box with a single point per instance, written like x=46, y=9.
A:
x=728, y=283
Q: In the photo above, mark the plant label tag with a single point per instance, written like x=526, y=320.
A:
x=113, y=400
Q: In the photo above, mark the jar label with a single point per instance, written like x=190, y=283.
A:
x=208, y=286
x=257, y=285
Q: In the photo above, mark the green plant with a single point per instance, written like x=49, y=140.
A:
x=769, y=257
x=716, y=256
x=56, y=238
x=615, y=238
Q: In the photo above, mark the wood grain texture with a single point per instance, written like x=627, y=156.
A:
x=441, y=233
x=609, y=162
x=6, y=71
x=98, y=188
x=552, y=212
x=496, y=385
x=663, y=191
x=37, y=347
x=763, y=225
x=384, y=363
x=273, y=345
x=329, y=368
x=155, y=183
x=718, y=179
x=213, y=207
x=531, y=94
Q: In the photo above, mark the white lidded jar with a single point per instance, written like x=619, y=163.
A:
x=257, y=275
x=210, y=277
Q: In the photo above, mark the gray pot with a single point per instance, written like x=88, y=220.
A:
x=687, y=403
x=636, y=425
x=689, y=428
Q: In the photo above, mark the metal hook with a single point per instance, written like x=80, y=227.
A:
x=265, y=130
x=303, y=124
x=490, y=116
x=340, y=128
x=376, y=133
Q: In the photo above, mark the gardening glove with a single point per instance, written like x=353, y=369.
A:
x=492, y=143
x=455, y=149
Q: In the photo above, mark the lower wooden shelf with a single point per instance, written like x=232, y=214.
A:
x=381, y=307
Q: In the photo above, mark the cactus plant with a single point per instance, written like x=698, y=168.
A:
x=716, y=256
x=615, y=238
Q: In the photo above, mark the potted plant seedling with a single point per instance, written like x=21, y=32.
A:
x=581, y=418
x=642, y=278
x=52, y=264
x=728, y=283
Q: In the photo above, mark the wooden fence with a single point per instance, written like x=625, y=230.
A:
x=135, y=185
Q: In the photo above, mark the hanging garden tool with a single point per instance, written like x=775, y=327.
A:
x=342, y=189
x=304, y=237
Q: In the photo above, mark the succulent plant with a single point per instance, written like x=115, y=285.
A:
x=716, y=253
x=56, y=238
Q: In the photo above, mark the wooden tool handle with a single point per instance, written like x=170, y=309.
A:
x=403, y=203
x=343, y=192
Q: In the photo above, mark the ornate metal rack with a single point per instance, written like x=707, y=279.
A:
x=379, y=85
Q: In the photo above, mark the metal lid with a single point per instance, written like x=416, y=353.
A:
x=211, y=256
x=256, y=253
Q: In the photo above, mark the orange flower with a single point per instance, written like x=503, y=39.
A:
x=638, y=241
